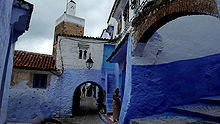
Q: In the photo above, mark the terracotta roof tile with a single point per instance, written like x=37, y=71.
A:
x=86, y=37
x=36, y=61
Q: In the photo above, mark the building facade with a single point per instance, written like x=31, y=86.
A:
x=32, y=87
x=51, y=86
x=157, y=69
x=15, y=17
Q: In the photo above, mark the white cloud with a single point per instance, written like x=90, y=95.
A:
x=35, y=45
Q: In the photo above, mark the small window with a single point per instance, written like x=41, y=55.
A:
x=85, y=54
x=119, y=25
x=40, y=81
x=80, y=54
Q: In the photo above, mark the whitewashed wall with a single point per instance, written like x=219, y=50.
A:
x=69, y=53
x=72, y=19
x=184, y=38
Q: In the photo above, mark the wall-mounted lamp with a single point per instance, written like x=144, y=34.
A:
x=89, y=62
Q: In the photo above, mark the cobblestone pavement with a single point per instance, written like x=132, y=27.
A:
x=89, y=113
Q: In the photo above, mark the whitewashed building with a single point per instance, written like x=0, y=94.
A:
x=52, y=89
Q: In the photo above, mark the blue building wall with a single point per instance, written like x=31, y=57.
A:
x=128, y=80
x=170, y=70
x=6, y=56
x=32, y=105
x=159, y=87
x=108, y=75
x=108, y=49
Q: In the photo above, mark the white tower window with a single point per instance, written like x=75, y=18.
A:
x=80, y=54
x=85, y=54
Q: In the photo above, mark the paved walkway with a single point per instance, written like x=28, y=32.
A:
x=89, y=113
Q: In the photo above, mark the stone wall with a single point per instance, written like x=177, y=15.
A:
x=67, y=28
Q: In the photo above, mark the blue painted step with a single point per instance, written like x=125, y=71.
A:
x=166, y=118
x=205, y=111
x=211, y=100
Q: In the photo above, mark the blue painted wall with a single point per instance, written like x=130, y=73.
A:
x=33, y=105
x=128, y=80
x=156, y=88
x=108, y=75
x=6, y=55
x=11, y=27
x=108, y=49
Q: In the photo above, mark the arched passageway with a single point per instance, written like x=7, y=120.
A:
x=157, y=13
x=88, y=98
x=178, y=65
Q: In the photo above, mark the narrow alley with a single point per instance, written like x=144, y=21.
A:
x=88, y=113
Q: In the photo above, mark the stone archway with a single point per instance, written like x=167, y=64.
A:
x=158, y=12
x=98, y=95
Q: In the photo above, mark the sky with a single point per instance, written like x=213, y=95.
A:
x=39, y=37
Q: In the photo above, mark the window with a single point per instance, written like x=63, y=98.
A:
x=40, y=81
x=85, y=54
x=119, y=25
x=126, y=14
x=80, y=54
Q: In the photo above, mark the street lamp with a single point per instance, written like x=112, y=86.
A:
x=89, y=62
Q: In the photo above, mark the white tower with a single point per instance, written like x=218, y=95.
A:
x=68, y=24
x=71, y=8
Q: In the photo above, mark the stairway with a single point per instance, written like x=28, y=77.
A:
x=205, y=112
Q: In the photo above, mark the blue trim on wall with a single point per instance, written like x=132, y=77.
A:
x=156, y=88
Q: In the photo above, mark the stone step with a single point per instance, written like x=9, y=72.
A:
x=211, y=100
x=166, y=118
x=205, y=111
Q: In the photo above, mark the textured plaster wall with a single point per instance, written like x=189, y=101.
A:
x=72, y=78
x=159, y=87
x=71, y=19
x=32, y=105
x=108, y=75
x=177, y=66
x=5, y=17
x=128, y=81
x=7, y=84
x=70, y=52
x=184, y=38
x=110, y=81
